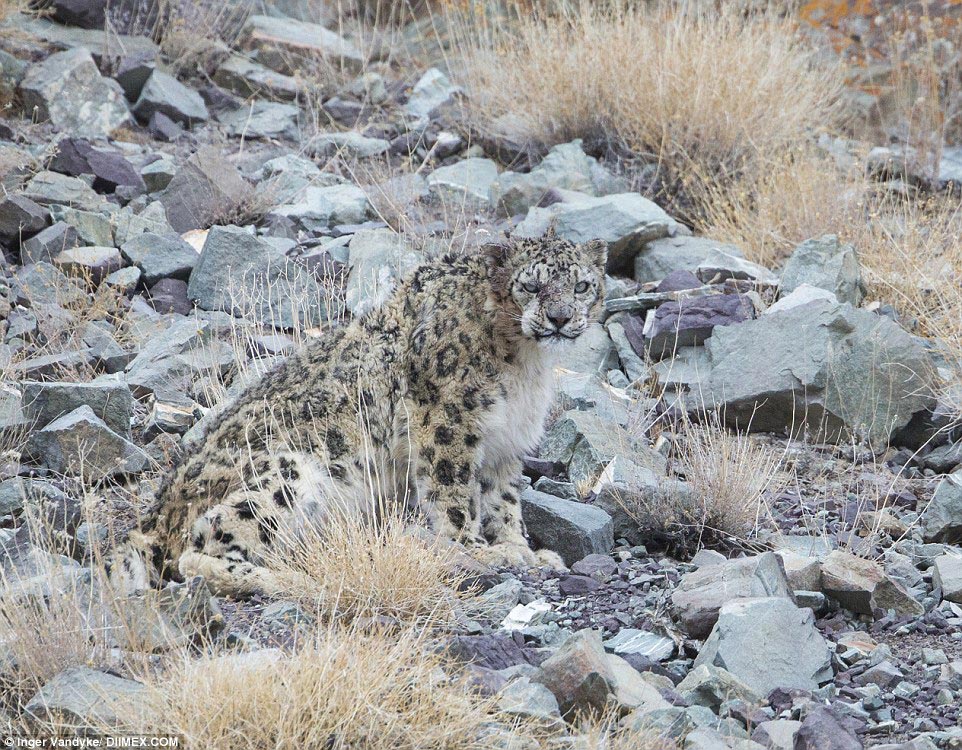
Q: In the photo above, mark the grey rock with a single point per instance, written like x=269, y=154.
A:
x=159, y=257
x=708, y=685
x=124, y=281
x=586, y=444
x=42, y=284
x=204, y=191
x=642, y=643
x=152, y=219
x=378, y=258
x=862, y=585
x=701, y=594
x=635, y=367
x=830, y=367
x=45, y=402
x=586, y=392
x=97, y=41
x=319, y=208
x=944, y=458
x=47, y=188
x=593, y=352
x=777, y=734
x=13, y=492
x=80, y=442
x=942, y=518
x=804, y=573
x=351, y=143
x=660, y=258
x=105, y=349
x=158, y=174
x=690, y=322
x=768, y=643
x=825, y=263
x=432, y=90
x=133, y=71
x=165, y=94
x=85, y=698
x=626, y=221
x=263, y=120
x=21, y=217
x=578, y=673
x=239, y=273
x=247, y=78
x=801, y=295
x=465, y=183
x=571, y=529
x=531, y=701
x=91, y=264
x=285, y=44
x=719, y=266
x=48, y=244
x=566, y=166
x=821, y=730
x=947, y=575
x=67, y=89
x=92, y=228
x=498, y=601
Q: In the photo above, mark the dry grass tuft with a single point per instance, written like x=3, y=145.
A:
x=346, y=689
x=372, y=569
x=719, y=93
x=730, y=475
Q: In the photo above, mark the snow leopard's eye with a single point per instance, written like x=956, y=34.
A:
x=581, y=287
x=530, y=287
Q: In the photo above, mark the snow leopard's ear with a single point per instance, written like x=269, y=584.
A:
x=497, y=258
x=597, y=253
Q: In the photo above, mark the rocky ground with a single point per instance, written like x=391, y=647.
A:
x=167, y=238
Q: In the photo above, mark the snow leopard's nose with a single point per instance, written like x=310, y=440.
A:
x=558, y=315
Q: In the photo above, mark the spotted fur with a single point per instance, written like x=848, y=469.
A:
x=430, y=400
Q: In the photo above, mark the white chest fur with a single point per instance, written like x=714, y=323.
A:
x=515, y=423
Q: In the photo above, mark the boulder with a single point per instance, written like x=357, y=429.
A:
x=240, y=273
x=531, y=701
x=350, y=143
x=777, y=734
x=91, y=263
x=626, y=221
x=81, y=443
x=111, y=402
x=85, y=698
x=50, y=188
x=566, y=166
x=46, y=245
x=947, y=575
x=377, y=259
x=702, y=593
x=690, y=322
x=67, y=89
x=592, y=352
x=660, y=258
x=165, y=94
x=801, y=295
x=465, y=183
x=825, y=263
x=826, y=366
x=205, y=190
x=862, y=586
x=822, y=730
x=247, y=78
x=263, y=120
x=286, y=44
x=93, y=228
x=719, y=266
x=942, y=517
x=583, y=677
x=432, y=90
x=319, y=208
x=76, y=156
x=573, y=530
x=768, y=643
x=20, y=217
x=160, y=257
x=708, y=685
